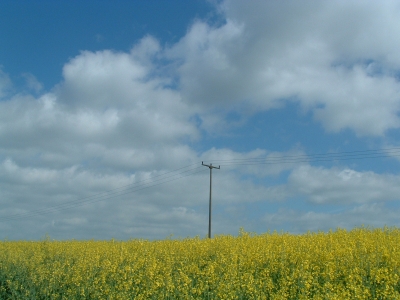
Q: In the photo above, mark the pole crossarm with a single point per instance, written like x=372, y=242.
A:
x=210, y=166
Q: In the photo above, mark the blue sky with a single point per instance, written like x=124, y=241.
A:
x=107, y=110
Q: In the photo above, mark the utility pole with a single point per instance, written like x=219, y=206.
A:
x=210, y=166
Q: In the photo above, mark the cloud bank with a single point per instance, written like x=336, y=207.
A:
x=118, y=118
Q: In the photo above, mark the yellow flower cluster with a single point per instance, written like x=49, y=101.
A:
x=358, y=264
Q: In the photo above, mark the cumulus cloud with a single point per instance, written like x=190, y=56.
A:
x=258, y=162
x=110, y=107
x=122, y=86
x=332, y=58
x=78, y=202
x=32, y=83
x=113, y=120
x=114, y=133
x=60, y=162
x=372, y=214
x=343, y=185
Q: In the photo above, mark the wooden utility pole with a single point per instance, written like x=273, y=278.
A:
x=210, y=166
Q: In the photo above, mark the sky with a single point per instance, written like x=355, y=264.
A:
x=109, y=108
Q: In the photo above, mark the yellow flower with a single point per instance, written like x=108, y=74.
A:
x=358, y=264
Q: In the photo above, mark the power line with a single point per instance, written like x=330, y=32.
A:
x=365, y=154
x=191, y=170
x=144, y=184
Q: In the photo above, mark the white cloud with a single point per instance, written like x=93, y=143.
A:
x=110, y=107
x=372, y=214
x=32, y=83
x=112, y=123
x=147, y=109
x=331, y=57
x=258, y=162
x=122, y=120
x=343, y=186
x=152, y=204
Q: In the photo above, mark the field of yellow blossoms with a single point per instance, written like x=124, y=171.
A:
x=358, y=264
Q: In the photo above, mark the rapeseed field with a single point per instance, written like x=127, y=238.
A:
x=358, y=264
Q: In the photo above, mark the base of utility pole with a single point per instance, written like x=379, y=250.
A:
x=210, y=166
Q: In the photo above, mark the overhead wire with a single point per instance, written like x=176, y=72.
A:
x=318, y=157
x=191, y=170
x=127, y=189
